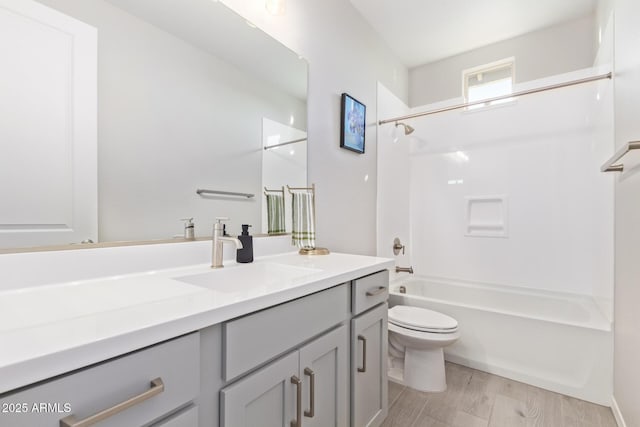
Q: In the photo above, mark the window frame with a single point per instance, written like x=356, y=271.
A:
x=484, y=68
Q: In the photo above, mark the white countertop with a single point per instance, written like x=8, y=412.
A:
x=53, y=329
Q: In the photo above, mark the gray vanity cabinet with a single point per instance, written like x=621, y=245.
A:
x=307, y=387
x=369, y=404
x=296, y=355
x=318, y=361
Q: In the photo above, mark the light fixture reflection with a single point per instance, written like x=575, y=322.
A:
x=459, y=157
x=462, y=156
x=275, y=7
x=599, y=35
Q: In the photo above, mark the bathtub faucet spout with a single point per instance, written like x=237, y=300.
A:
x=404, y=270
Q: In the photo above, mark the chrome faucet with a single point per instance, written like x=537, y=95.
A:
x=218, y=240
x=404, y=270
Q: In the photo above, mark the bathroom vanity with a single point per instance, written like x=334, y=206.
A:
x=288, y=339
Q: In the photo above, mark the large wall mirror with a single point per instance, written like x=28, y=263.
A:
x=188, y=95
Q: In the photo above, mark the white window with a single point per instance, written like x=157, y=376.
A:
x=489, y=81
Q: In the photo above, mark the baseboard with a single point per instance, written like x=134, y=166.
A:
x=616, y=413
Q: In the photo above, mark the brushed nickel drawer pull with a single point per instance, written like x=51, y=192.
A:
x=312, y=392
x=364, y=353
x=298, y=421
x=157, y=387
x=378, y=291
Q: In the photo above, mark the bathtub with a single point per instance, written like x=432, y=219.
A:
x=557, y=341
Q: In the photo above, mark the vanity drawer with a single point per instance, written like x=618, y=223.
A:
x=90, y=391
x=256, y=338
x=369, y=291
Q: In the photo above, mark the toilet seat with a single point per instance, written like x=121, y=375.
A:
x=422, y=320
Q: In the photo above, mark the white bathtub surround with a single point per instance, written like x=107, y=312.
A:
x=539, y=157
x=60, y=311
x=543, y=155
x=557, y=341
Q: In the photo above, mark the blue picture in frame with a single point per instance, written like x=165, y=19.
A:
x=352, y=124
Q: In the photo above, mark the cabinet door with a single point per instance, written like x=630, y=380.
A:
x=324, y=367
x=369, y=367
x=265, y=398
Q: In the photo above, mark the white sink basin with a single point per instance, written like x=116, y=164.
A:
x=31, y=307
x=242, y=277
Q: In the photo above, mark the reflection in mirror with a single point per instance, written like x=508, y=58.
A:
x=284, y=162
x=182, y=90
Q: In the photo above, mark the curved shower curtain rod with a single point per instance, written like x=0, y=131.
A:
x=499, y=98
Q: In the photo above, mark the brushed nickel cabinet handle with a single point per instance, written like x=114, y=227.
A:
x=378, y=291
x=364, y=353
x=157, y=387
x=312, y=393
x=298, y=421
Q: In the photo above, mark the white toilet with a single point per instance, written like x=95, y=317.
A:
x=417, y=337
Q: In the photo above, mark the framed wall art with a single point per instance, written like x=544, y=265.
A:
x=352, y=124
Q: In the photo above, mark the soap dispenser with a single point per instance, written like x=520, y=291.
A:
x=189, y=229
x=246, y=253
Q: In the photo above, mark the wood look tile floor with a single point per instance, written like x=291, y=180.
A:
x=477, y=399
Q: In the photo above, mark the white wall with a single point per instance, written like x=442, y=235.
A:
x=173, y=118
x=345, y=55
x=627, y=204
x=547, y=52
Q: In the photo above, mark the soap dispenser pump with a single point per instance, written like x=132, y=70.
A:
x=245, y=254
x=189, y=229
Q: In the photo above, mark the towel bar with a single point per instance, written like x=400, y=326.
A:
x=267, y=190
x=224, y=193
x=611, y=165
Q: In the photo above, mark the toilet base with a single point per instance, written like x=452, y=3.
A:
x=395, y=372
x=421, y=370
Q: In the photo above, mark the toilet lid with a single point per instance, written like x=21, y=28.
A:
x=421, y=319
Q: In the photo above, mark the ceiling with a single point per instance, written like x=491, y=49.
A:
x=424, y=31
